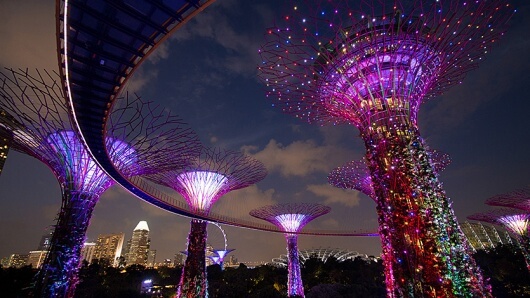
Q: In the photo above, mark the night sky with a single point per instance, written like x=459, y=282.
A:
x=206, y=73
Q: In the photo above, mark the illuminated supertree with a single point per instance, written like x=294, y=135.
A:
x=355, y=174
x=519, y=198
x=291, y=218
x=43, y=131
x=371, y=66
x=214, y=173
x=6, y=137
x=219, y=256
x=515, y=221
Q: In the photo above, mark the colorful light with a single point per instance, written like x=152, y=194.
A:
x=372, y=67
x=202, y=188
x=202, y=182
x=41, y=128
x=291, y=218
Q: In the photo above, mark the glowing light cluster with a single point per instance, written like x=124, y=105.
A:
x=202, y=188
x=290, y=222
x=202, y=182
x=515, y=221
x=41, y=128
x=372, y=67
x=356, y=175
x=291, y=218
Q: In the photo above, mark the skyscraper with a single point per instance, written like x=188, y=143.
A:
x=140, y=244
x=36, y=258
x=87, y=252
x=151, y=258
x=108, y=248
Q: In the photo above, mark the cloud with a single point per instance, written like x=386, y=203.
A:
x=300, y=158
x=239, y=203
x=335, y=195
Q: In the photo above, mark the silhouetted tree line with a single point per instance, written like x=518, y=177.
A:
x=504, y=266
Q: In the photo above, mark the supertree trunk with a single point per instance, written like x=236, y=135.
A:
x=295, y=287
x=424, y=251
x=524, y=245
x=193, y=283
x=58, y=277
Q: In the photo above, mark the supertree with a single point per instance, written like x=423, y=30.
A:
x=519, y=198
x=206, y=179
x=6, y=137
x=355, y=174
x=219, y=256
x=43, y=130
x=291, y=218
x=371, y=66
x=515, y=221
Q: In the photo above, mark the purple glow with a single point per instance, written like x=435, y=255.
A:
x=291, y=218
x=517, y=223
x=291, y=222
x=79, y=167
x=202, y=188
x=124, y=157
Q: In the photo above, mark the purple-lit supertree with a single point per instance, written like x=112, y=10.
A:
x=44, y=131
x=519, y=199
x=371, y=66
x=515, y=221
x=214, y=173
x=291, y=218
x=219, y=256
x=355, y=174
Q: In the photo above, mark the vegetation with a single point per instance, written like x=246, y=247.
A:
x=504, y=266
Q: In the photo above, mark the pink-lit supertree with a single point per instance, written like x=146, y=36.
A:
x=515, y=221
x=6, y=137
x=519, y=199
x=372, y=66
x=291, y=218
x=43, y=130
x=355, y=174
x=210, y=176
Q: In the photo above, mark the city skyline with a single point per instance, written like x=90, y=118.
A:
x=474, y=123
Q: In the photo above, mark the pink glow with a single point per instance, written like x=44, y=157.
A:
x=202, y=188
x=517, y=223
x=291, y=222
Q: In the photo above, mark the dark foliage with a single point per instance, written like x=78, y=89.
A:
x=504, y=267
x=506, y=270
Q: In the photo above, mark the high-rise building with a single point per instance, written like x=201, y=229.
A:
x=179, y=259
x=17, y=260
x=140, y=244
x=87, y=252
x=108, y=248
x=151, y=258
x=36, y=257
x=45, y=242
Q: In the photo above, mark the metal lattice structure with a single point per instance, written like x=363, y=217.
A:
x=519, y=199
x=291, y=218
x=206, y=179
x=356, y=175
x=515, y=221
x=322, y=254
x=371, y=64
x=41, y=129
x=6, y=137
x=100, y=44
x=484, y=237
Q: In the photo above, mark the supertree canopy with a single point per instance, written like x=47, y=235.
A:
x=291, y=218
x=42, y=130
x=355, y=174
x=515, y=221
x=214, y=173
x=371, y=66
x=519, y=198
